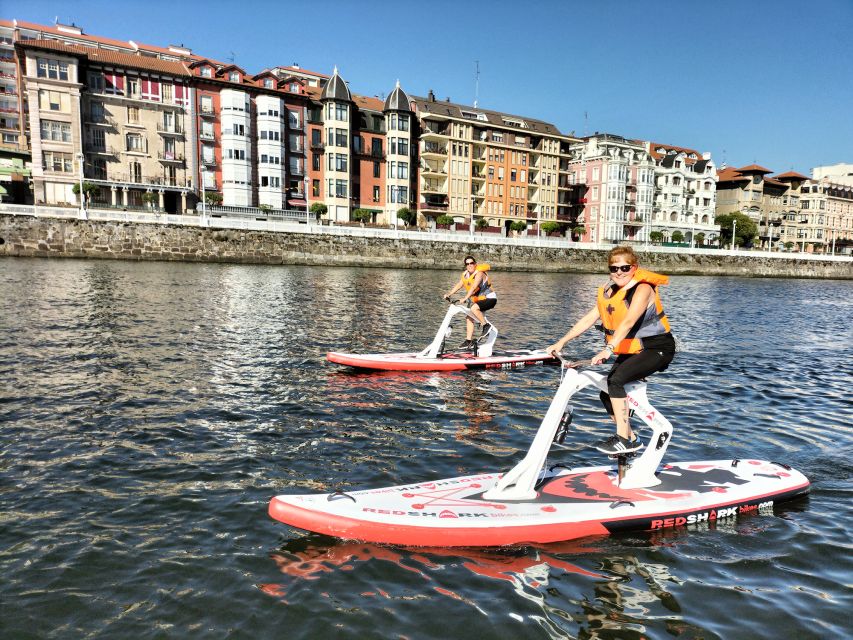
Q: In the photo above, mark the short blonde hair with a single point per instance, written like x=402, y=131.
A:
x=625, y=252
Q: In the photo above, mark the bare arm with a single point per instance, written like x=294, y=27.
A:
x=577, y=329
x=458, y=286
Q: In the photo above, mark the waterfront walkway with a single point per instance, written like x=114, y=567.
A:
x=310, y=227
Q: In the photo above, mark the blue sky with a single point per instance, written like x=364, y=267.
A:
x=761, y=81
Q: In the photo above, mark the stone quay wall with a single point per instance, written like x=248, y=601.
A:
x=25, y=236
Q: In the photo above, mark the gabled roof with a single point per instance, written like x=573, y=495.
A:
x=754, y=168
x=668, y=150
x=230, y=67
x=398, y=100
x=336, y=89
x=426, y=107
x=108, y=57
x=730, y=174
x=791, y=175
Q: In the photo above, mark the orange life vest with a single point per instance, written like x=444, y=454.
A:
x=485, y=287
x=612, y=310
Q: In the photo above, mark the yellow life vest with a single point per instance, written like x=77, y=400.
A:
x=612, y=311
x=485, y=287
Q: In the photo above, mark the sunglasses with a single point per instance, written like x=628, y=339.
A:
x=469, y=263
x=624, y=268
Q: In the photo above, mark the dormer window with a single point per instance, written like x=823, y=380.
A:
x=234, y=76
x=268, y=83
x=207, y=72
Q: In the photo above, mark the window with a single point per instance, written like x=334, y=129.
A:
x=315, y=138
x=135, y=172
x=135, y=143
x=234, y=76
x=99, y=168
x=398, y=194
x=99, y=138
x=341, y=112
x=96, y=82
x=207, y=72
x=337, y=162
x=235, y=154
x=53, y=69
x=497, y=136
x=403, y=170
x=58, y=162
x=168, y=92
x=207, y=104
x=315, y=188
x=512, y=175
x=338, y=188
x=376, y=192
x=376, y=173
x=376, y=147
x=133, y=87
x=54, y=101
x=315, y=161
x=268, y=83
x=133, y=115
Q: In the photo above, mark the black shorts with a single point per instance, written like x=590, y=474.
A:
x=488, y=303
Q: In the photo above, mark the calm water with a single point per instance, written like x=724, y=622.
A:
x=149, y=412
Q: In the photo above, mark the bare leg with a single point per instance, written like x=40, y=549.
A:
x=620, y=417
x=470, y=330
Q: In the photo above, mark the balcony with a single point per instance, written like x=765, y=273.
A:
x=169, y=156
x=211, y=137
x=100, y=149
x=101, y=120
x=170, y=129
x=434, y=149
x=207, y=112
x=434, y=205
x=297, y=149
x=428, y=170
x=319, y=147
x=209, y=162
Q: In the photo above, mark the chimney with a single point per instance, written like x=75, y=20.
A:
x=431, y=96
x=295, y=65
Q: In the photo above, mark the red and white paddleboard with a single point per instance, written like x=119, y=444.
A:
x=436, y=358
x=569, y=503
x=537, y=502
x=458, y=361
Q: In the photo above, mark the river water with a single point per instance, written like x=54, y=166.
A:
x=150, y=410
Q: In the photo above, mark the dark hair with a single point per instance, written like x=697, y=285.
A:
x=467, y=258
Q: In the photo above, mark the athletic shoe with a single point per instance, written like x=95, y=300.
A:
x=467, y=344
x=617, y=445
x=486, y=328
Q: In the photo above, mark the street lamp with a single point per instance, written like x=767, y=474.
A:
x=81, y=158
x=734, y=236
x=203, y=209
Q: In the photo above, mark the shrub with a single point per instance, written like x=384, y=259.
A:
x=212, y=198
x=361, y=215
x=265, y=207
x=550, y=226
x=481, y=223
x=579, y=230
x=656, y=237
x=444, y=219
x=677, y=236
x=319, y=209
x=700, y=238
x=518, y=225
x=407, y=216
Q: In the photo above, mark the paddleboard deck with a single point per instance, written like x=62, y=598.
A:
x=453, y=361
x=569, y=503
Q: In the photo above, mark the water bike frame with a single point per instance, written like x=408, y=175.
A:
x=485, y=344
x=519, y=483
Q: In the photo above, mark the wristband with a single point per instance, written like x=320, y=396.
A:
x=609, y=347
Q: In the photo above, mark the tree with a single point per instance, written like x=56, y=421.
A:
x=550, y=226
x=319, y=209
x=656, y=237
x=700, y=238
x=518, y=225
x=407, y=216
x=265, y=207
x=149, y=198
x=578, y=231
x=481, y=223
x=789, y=245
x=677, y=236
x=361, y=215
x=89, y=190
x=212, y=198
x=745, y=227
x=444, y=219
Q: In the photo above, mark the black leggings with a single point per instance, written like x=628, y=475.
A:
x=629, y=368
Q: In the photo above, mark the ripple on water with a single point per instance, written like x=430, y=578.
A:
x=151, y=410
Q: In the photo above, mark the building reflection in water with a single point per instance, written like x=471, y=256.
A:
x=591, y=588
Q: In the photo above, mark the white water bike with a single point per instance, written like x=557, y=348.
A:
x=538, y=503
x=439, y=357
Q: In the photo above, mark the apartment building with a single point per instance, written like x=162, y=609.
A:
x=618, y=179
x=476, y=163
x=685, y=194
x=124, y=116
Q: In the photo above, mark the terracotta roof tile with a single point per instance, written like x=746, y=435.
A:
x=792, y=175
x=105, y=56
x=754, y=168
x=730, y=175
x=654, y=146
